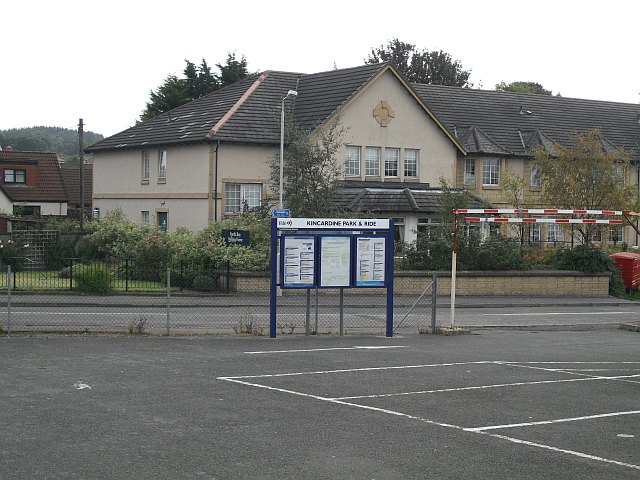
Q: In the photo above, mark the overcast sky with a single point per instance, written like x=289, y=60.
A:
x=64, y=60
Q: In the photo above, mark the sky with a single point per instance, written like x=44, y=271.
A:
x=64, y=60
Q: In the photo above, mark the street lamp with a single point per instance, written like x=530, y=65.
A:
x=289, y=94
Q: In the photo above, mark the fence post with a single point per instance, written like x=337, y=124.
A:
x=434, y=297
x=168, y=298
x=8, y=300
x=228, y=276
x=71, y=274
x=126, y=274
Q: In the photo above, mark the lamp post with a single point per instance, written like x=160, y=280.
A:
x=289, y=93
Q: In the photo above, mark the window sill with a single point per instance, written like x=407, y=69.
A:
x=491, y=187
x=535, y=189
x=144, y=182
x=162, y=180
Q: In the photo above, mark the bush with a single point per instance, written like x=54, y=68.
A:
x=92, y=279
x=499, y=254
x=583, y=259
x=204, y=283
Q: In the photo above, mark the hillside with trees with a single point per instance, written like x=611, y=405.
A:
x=62, y=141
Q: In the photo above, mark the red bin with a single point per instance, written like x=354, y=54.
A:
x=629, y=265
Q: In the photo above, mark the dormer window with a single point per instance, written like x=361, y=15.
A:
x=12, y=175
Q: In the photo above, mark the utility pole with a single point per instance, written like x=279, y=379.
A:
x=81, y=152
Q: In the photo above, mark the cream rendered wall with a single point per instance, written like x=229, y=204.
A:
x=6, y=206
x=411, y=127
x=117, y=181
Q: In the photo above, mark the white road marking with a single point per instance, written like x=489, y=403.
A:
x=326, y=349
x=623, y=378
x=349, y=370
x=89, y=313
x=550, y=422
x=425, y=420
x=542, y=314
x=477, y=387
x=81, y=386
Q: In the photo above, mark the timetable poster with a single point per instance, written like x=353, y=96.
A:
x=370, y=261
x=298, y=261
x=335, y=261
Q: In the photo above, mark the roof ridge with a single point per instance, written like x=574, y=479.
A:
x=237, y=105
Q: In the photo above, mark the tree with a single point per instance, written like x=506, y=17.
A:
x=421, y=66
x=197, y=82
x=523, y=87
x=586, y=175
x=311, y=170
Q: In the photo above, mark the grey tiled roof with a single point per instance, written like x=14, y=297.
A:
x=519, y=122
x=394, y=197
x=247, y=111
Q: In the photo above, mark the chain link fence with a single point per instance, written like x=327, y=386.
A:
x=131, y=297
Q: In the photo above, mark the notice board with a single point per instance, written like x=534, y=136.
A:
x=370, y=261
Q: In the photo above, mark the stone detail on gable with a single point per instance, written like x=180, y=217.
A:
x=383, y=113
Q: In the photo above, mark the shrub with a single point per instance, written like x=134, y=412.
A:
x=204, y=283
x=93, y=279
x=13, y=253
x=583, y=259
x=499, y=254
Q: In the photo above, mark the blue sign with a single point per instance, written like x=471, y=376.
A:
x=281, y=213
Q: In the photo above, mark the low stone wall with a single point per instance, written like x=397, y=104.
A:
x=541, y=283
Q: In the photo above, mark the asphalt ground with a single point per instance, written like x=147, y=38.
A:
x=492, y=404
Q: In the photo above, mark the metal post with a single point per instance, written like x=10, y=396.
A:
x=126, y=275
x=453, y=270
x=71, y=274
x=316, y=330
x=8, y=300
x=168, y=298
x=307, y=322
x=434, y=297
x=341, y=312
x=274, y=280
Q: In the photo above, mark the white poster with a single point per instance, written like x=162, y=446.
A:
x=298, y=262
x=335, y=261
x=370, y=261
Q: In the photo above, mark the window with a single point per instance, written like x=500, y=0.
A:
x=162, y=166
x=536, y=177
x=372, y=162
x=410, y=162
x=145, y=166
x=145, y=217
x=618, y=174
x=469, y=171
x=555, y=233
x=163, y=220
x=490, y=171
x=241, y=196
x=14, y=176
x=398, y=230
x=352, y=161
x=615, y=234
x=391, y=160
x=534, y=232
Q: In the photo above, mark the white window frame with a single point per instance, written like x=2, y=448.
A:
x=535, y=233
x=372, y=157
x=616, y=234
x=237, y=194
x=391, y=162
x=162, y=166
x=491, y=172
x=352, y=161
x=536, y=178
x=411, y=162
x=555, y=233
x=145, y=166
x=144, y=217
x=13, y=175
x=469, y=171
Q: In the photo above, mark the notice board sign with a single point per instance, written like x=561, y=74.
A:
x=370, y=261
x=298, y=261
x=236, y=237
x=335, y=261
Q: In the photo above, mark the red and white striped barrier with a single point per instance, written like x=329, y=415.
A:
x=535, y=211
x=542, y=220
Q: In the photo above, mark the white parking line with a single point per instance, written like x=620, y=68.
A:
x=327, y=349
x=550, y=422
x=542, y=314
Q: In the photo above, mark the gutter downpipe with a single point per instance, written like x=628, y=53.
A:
x=215, y=185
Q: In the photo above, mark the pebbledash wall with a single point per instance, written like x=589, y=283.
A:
x=540, y=283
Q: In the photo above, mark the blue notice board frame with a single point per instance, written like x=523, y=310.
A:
x=315, y=228
x=298, y=261
x=341, y=281
x=370, y=264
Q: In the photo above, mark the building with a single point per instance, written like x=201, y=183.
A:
x=202, y=161
x=31, y=185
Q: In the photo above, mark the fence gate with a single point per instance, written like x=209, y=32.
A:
x=38, y=240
